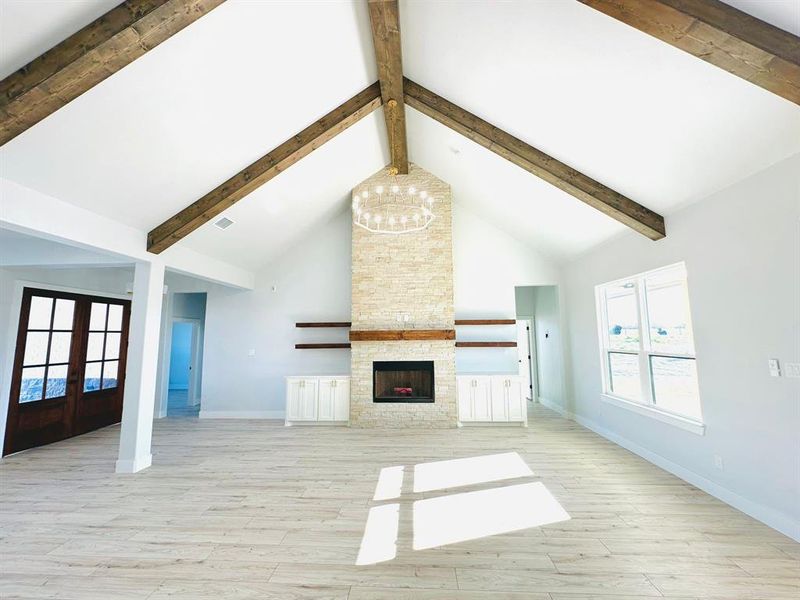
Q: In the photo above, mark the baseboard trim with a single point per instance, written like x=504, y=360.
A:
x=134, y=465
x=770, y=517
x=242, y=414
x=554, y=406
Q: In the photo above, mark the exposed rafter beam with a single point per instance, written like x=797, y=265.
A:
x=384, y=16
x=593, y=193
x=264, y=169
x=87, y=57
x=719, y=34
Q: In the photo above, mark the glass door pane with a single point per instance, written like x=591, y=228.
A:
x=46, y=355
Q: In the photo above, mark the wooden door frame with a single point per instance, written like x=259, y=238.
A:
x=13, y=321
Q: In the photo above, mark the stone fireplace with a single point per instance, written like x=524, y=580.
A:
x=403, y=312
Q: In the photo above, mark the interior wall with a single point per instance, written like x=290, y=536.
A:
x=311, y=282
x=489, y=265
x=250, y=335
x=549, y=345
x=741, y=247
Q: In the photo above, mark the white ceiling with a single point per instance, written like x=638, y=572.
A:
x=640, y=116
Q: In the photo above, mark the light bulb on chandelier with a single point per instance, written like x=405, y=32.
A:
x=401, y=209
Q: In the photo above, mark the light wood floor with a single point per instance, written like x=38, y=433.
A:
x=251, y=509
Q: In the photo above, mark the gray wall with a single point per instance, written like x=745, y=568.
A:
x=741, y=248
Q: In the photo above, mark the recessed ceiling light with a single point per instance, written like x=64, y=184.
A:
x=223, y=223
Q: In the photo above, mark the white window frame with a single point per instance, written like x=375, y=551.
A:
x=647, y=405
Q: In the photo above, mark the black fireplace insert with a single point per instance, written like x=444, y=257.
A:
x=402, y=381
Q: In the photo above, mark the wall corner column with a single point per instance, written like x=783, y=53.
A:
x=142, y=368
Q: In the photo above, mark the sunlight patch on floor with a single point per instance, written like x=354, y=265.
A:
x=390, y=484
x=379, y=543
x=459, y=472
x=458, y=517
x=472, y=515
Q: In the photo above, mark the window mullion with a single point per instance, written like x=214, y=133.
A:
x=603, y=338
x=645, y=345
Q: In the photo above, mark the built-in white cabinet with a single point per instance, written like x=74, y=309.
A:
x=491, y=399
x=474, y=398
x=317, y=398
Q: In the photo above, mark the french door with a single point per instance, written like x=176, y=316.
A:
x=69, y=367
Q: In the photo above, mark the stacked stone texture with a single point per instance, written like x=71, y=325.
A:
x=409, y=274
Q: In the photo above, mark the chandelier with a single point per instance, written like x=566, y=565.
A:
x=393, y=209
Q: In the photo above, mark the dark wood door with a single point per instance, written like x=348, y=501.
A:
x=69, y=367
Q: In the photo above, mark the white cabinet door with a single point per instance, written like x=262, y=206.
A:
x=302, y=399
x=482, y=399
x=516, y=399
x=327, y=399
x=341, y=402
x=293, y=395
x=464, y=392
x=500, y=398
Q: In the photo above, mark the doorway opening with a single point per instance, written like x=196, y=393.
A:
x=186, y=355
x=540, y=344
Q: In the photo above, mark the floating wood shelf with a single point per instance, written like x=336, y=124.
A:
x=486, y=322
x=320, y=346
x=325, y=324
x=486, y=344
x=392, y=335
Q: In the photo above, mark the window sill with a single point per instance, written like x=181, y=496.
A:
x=659, y=415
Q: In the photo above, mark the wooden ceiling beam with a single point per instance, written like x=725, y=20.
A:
x=265, y=168
x=384, y=15
x=88, y=57
x=575, y=183
x=718, y=34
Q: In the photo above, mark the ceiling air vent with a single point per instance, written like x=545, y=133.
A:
x=223, y=223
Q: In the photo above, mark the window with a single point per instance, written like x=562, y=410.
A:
x=48, y=338
x=102, y=348
x=646, y=342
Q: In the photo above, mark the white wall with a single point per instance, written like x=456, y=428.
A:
x=312, y=283
x=741, y=247
x=549, y=345
x=489, y=264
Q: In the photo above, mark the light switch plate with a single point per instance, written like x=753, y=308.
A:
x=774, y=367
x=792, y=369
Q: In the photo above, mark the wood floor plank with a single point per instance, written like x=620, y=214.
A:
x=245, y=510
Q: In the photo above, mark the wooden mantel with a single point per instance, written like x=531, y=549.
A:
x=394, y=335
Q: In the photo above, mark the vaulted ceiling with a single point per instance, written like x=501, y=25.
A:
x=644, y=118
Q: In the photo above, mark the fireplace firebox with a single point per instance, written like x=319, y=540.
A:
x=402, y=381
